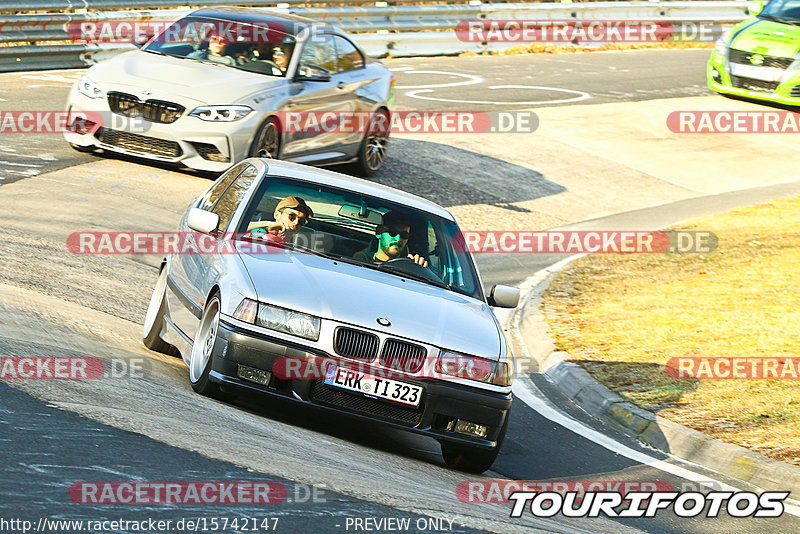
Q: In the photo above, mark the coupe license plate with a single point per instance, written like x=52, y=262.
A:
x=767, y=74
x=373, y=386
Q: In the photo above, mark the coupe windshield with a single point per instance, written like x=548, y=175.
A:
x=787, y=11
x=252, y=47
x=367, y=231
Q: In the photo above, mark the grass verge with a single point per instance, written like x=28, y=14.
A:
x=624, y=316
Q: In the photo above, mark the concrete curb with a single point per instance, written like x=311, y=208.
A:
x=578, y=385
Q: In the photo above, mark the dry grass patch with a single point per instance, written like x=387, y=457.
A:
x=542, y=48
x=625, y=316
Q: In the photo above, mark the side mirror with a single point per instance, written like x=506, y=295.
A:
x=755, y=7
x=312, y=73
x=504, y=296
x=202, y=221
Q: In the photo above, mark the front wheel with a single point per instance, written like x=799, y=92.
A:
x=472, y=459
x=373, y=149
x=203, y=352
x=267, y=143
x=91, y=149
x=154, y=319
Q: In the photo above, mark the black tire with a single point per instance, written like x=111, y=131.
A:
x=83, y=149
x=154, y=319
x=473, y=459
x=267, y=143
x=202, y=357
x=374, y=146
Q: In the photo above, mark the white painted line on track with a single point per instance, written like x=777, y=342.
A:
x=471, y=79
x=580, y=96
x=531, y=395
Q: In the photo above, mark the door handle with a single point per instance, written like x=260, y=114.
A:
x=340, y=85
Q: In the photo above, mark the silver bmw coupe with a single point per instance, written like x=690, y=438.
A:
x=341, y=294
x=217, y=86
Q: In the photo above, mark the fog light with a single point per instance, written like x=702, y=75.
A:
x=715, y=75
x=471, y=429
x=253, y=375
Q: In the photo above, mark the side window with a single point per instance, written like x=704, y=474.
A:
x=229, y=201
x=348, y=56
x=319, y=50
x=220, y=186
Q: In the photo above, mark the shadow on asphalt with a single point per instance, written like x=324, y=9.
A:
x=444, y=174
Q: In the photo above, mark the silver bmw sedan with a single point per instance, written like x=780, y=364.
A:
x=341, y=294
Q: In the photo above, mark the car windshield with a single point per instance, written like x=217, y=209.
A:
x=259, y=48
x=787, y=11
x=363, y=230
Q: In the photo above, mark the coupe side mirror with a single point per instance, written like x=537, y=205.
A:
x=202, y=221
x=504, y=296
x=755, y=7
x=312, y=73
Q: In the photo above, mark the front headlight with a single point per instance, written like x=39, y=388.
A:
x=279, y=319
x=88, y=88
x=221, y=113
x=473, y=368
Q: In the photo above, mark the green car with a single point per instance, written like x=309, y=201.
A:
x=758, y=57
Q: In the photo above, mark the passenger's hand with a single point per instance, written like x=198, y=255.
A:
x=419, y=260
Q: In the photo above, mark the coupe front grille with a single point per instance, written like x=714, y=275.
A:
x=795, y=91
x=752, y=84
x=139, y=143
x=354, y=402
x=740, y=56
x=151, y=110
x=403, y=356
x=355, y=344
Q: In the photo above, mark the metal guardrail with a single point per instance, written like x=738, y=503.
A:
x=402, y=30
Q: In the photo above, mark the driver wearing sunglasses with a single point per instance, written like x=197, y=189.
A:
x=392, y=238
x=291, y=214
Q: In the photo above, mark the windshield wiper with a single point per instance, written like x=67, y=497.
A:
x=351, y=261
x=418, y=278
x=207, y=62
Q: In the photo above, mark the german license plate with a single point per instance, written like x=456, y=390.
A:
x=383, y=388
x=767, y=74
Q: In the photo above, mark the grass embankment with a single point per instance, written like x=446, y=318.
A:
x=625, y=316
x=541, y=48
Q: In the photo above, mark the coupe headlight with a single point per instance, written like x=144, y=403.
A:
x=473, y=368
x=88, y=88
x=221, y=113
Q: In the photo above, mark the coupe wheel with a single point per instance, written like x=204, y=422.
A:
x=372, y=153
x=267, y=143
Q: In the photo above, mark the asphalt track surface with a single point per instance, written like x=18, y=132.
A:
x=362, y=472
x=605, y=76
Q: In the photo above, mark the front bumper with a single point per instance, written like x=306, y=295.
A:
x=782, y=94
x=188, y=141
x=442, y=402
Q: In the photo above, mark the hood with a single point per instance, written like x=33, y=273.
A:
x=359, y=296
x=769, y=38
x=178, y=79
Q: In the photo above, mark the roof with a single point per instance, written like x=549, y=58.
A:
x=259, y=17
x=359, y=185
